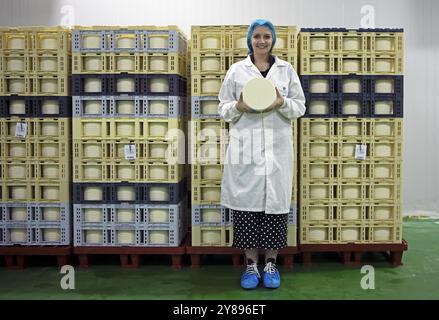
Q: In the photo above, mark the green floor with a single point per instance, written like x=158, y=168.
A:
x=217, y=279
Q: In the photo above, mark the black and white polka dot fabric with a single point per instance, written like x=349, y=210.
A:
x=253, y=230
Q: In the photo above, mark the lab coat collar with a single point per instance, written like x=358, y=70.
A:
x=277, y=62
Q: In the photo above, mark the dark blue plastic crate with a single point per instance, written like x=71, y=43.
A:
x=398, y=84
x=362, y=100
x=331, y=100
x=364, y=81
x=78, y=84
x=398, y=105
x=306, y=82
x=5, y=103
x=141, y=190
x=64, y=107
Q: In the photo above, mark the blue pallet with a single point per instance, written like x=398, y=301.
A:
x=196, y=108
x=177, y=85
x=177, y=106
x=176, y=192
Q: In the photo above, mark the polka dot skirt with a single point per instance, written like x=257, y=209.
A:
x=259, y=230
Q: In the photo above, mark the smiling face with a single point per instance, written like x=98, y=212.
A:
x=261, y=40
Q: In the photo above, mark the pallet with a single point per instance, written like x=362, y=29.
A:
x=286, y=255
x=351, y=254
x=129, y=256
x=15, y=257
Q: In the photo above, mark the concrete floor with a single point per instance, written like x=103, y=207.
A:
x=418, y=278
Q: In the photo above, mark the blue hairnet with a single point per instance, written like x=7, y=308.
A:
x=260, y=23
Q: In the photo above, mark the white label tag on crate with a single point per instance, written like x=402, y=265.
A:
x=130, y=152
x=360, y=151
x=21, y=130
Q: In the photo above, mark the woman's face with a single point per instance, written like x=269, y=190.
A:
x=261, y=40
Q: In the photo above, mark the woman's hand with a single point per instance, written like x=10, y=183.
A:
x=242, y=106
x=277, y=103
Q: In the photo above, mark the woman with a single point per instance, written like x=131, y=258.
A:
x=258, y=171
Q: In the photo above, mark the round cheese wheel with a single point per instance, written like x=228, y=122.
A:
x=259, y=94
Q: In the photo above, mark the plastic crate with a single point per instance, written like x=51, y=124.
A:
x=386, y=149
x=48, y=128
x=209, y=39
x=36, y=192
x=138, y=236
x=50, y=107
x=320, y=84
x=127, y=171
x=318, y=42
x=318, y=64
x=50, y=63
x=164, y=63
x=317, y=191
x=84, y=63
x=139, y=215
x=130, y=39
x=36, y=39
x=386, y=106
x=41, y=171
x=205, y=108
x=206, y=193
x=292, y=235
x=385, y=213
x=386, y=128
x=212, y=236
x=209, y=130
x=207, y=173
x=15, y=63
x=37, y=236
x=387, y=84
x=317, y=233
x=319, y=148
x=321, y=105
x=151, y=150
x=206, y=85
x=388, y=42
x=386, y=64
x=384, y=233
x=211, y=215
x=36, y=214
x=114, y=193
x=210, y=63
x=208, y=152
x=51, y=85
x=127, y=128
x=19, y=85
x=123, y=106
x=129, y=84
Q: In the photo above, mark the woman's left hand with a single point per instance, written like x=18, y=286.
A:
x=277, y=103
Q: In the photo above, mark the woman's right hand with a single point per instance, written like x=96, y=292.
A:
x=242, y=106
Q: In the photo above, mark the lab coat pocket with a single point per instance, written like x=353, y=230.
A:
x=283, y=88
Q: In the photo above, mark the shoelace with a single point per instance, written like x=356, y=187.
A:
x=270, y=268
x=252, y=269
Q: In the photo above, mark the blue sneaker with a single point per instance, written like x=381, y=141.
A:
x=271, y=276
x=250, y=277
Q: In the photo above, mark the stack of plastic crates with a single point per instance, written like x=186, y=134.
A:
x=351, y=136
x=129, y=110
x=35, y=143
x=213, y=50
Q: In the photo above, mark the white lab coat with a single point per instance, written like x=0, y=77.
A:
x=261, y=178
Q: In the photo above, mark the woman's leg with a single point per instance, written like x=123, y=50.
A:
x=252, y=256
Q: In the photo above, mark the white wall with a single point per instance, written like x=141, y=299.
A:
x=420, y=19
